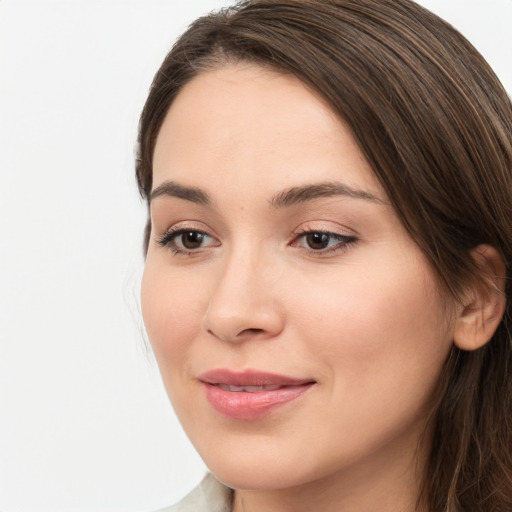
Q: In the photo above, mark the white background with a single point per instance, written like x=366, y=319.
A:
x=84, y=422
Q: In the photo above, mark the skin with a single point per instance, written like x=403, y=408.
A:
x=365, y=318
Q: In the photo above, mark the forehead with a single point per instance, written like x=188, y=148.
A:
x=265, y=128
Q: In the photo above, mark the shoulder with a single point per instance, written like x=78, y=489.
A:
x=209, y=496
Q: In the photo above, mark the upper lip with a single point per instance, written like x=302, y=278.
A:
x=250, y=378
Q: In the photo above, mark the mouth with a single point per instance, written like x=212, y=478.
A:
x=251, y=394
x=246, y=389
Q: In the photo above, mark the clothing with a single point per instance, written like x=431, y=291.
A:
x=209, y=496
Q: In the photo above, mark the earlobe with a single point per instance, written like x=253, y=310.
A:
x=484, y=301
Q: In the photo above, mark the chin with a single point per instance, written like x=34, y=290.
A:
x=258, y=466
x=250, y=464
x=247, y=477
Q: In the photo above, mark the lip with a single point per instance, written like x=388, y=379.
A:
x=266, y=392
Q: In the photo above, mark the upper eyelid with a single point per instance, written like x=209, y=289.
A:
x=177, y=230
x=314, y=226
x=325, y=232
x=325, y=226
x=339, y=236
x=190, y=226
x=342, y=244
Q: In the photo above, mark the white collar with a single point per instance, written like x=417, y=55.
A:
x=209, y=496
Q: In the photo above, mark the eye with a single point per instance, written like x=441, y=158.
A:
x=323, y=241
x=186, y=241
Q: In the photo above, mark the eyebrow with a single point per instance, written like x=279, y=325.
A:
x=173, y=189
x=286, y=198
x=299, y=195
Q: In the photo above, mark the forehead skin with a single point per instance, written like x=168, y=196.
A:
x=253, y=126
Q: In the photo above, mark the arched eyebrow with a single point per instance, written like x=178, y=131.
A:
x=298, y=195
x=286, y=198
x=173, y=189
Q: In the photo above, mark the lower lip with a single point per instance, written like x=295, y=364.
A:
x=244, y=405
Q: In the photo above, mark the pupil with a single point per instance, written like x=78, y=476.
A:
x=317, y=240
x=192, y=239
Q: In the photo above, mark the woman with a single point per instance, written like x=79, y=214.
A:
x=328, y=258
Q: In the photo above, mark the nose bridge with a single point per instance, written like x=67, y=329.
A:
x=243, y=303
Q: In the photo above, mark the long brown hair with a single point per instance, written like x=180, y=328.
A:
x=435, y=124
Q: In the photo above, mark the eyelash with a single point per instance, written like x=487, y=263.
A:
x=168, y=239
x=343, y=241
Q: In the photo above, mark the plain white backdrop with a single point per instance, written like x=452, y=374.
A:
x=84, y=422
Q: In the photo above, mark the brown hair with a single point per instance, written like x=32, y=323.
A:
x=435, y=124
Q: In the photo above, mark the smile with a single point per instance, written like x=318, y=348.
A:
x=246, y=389
x=251, y=395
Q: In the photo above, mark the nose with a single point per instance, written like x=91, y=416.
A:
x=244, y=302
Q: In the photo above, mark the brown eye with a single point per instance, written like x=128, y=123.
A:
x=192, y=239
x=317, y=240
x=187, y=241
x=323, y=242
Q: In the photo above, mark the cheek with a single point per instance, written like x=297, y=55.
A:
x=380, y=338
x=172, y=309
x=381, y=329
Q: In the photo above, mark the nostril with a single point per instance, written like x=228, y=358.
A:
x=250, y=331
x=240, y=336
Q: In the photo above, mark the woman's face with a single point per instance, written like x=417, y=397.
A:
x=298, y=328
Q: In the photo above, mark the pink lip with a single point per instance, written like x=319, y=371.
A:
x=251, y=404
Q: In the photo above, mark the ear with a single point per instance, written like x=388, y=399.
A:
x=484, y=301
